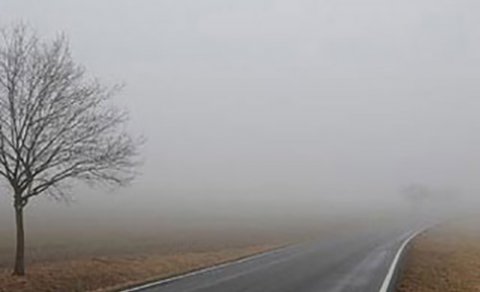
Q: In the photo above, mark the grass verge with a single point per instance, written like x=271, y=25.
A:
x=445, y=258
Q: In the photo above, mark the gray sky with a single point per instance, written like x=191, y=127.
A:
x=302, y=103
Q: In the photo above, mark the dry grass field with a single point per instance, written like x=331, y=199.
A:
x=108, y=273
x=108, y=257
x=102, y=260
x=68, y=262
x=444, y=259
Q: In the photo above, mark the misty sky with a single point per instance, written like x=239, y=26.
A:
x=305, y=101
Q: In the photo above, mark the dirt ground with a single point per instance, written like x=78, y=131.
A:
x=446, y=258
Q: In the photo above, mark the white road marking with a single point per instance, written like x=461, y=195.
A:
x=201, y=271
x=391, y=271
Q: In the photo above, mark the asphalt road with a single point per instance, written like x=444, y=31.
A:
x=357, y=262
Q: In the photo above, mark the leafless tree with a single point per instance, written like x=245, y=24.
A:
x=417, y=195
x=57, y=125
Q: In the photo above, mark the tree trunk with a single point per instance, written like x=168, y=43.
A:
x=19, y=269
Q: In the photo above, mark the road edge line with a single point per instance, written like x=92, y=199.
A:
x=204, y=270
x=391, y=271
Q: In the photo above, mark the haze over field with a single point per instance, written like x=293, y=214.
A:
x=273, y=109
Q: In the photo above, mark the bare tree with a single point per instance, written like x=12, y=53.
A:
x=417, y=195
x=57, y=126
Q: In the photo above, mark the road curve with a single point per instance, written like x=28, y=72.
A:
x=356, y=262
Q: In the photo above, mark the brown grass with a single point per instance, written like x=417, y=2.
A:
x=66, y=260
x=446, y=258
x=108, y=273
x=69, y=261
x=102, y=259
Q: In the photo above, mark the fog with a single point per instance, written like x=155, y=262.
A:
x=278, y=109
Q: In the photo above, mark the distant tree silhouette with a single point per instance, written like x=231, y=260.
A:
x=417, y=195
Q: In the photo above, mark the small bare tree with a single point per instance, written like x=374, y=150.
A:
x=417, y=195
x=57, y=126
